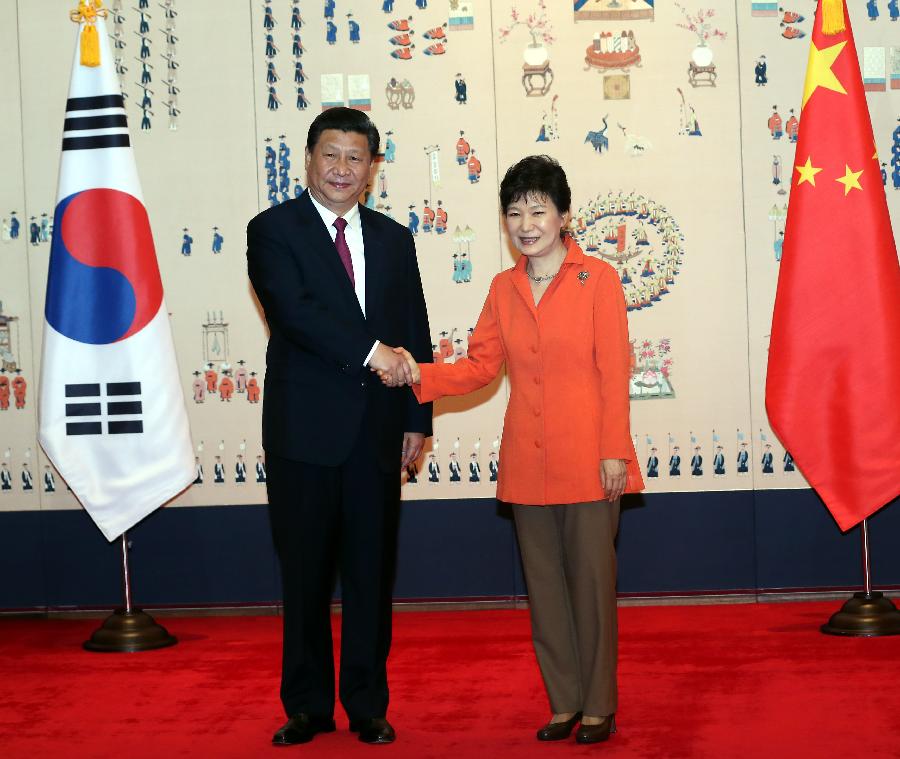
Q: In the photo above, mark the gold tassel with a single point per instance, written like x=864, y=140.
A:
x=90, y=46
x=87, y=13
x=833, y=17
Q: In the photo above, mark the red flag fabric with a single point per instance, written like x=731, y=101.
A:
x=834, y=358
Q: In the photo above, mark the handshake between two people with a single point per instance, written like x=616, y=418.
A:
x=395, y=367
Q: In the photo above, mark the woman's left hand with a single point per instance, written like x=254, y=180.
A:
x=613, y=477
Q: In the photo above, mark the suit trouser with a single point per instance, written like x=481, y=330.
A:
x=327, y=518
x=569, y=558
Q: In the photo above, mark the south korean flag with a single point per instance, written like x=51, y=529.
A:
x=112, y=411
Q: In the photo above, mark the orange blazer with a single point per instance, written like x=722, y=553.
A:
x=568, y=365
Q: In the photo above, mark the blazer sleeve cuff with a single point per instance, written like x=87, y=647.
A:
x=425, y=391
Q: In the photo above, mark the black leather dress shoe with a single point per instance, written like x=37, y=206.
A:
x=558, y=731
x=596, y=733
x=373, y=730
x=302, y=728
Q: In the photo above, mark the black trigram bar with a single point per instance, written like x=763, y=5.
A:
x=85, y=390
x=96, y=141
x=82, y=409
x=117, y=408
x=123, y=428
x=83, y=428
x=113, y=408
x=97, y=101
x=108, y=121
x=123, y=388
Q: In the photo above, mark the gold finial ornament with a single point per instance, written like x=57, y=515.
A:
x=87, y=14
x=833, y=17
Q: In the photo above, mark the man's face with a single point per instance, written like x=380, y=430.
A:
x=338, y=169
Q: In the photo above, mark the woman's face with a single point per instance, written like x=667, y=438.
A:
x=534, y=224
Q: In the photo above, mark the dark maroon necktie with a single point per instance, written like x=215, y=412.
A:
x=340, y=242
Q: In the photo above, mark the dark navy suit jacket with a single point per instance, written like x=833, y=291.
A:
x=317, y=390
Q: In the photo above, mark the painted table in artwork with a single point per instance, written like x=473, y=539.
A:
x=537, y=79
x=702, y=75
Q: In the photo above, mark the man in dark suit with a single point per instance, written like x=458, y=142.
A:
x=339, y=284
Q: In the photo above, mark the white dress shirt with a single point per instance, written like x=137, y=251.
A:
x=354, y=237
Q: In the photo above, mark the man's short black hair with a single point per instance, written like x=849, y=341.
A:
x=344, y=120
x=536, y=175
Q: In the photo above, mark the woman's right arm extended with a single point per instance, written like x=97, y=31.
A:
x=482, y=364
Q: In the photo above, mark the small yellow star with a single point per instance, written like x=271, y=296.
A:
x=850, y=180
x=819, y=73
x=807, y=172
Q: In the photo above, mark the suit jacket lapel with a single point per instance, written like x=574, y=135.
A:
x=520, y=283
x=319, y=243
x=374, y=261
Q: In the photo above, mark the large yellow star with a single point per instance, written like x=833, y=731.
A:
x=850, y=180
x=819, y=73
x=807, y=172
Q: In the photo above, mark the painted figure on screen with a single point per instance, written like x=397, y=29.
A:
x=675, y=463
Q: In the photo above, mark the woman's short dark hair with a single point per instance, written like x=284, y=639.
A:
x=344, y=120
x=538, y=175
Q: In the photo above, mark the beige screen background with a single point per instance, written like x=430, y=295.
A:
x=677, y=171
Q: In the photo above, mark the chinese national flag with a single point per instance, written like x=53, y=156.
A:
x=834, y=357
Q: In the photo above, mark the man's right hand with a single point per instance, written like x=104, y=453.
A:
x=390, y=366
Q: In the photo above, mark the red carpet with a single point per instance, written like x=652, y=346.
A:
x=695, y=681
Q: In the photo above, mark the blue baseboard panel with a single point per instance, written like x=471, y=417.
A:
x=668, y=543
x=23, y=560
x=462, y=549
x=686, y=542
x=799, y=545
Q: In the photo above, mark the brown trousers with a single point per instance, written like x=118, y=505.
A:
x=570, y=569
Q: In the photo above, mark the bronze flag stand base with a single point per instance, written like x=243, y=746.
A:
x=868, y=614
x=128, y=630
x=865, y=615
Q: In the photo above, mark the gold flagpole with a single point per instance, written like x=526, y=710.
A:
x=868, y=614
x=128, y=630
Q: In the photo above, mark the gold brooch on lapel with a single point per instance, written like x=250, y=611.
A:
x=583, y=276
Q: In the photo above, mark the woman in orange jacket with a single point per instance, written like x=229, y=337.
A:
x=557, y=320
